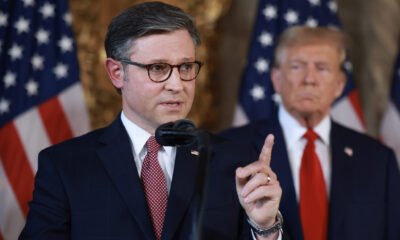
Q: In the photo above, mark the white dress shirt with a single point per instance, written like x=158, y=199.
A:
x=295, y=143
x=139, y=137
x=166, y=156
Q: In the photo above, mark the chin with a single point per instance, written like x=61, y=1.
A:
x=307, y=107
x=171, y=118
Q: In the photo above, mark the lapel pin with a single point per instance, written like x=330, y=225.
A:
x=348, y=151
x=194, y=152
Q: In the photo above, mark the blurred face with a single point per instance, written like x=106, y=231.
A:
x=146, y=103
x=308, y=79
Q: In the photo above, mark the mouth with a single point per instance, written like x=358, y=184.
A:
x=172, y=105
x=308, y=96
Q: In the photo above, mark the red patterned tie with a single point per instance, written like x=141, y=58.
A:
x=313, y=194
x=155, y=186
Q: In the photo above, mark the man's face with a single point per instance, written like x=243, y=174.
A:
x=148, y=103
x=309, y=79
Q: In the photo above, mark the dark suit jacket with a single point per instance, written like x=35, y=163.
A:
x=88, y=188
x=365, y=186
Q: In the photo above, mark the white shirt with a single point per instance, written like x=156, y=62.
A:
x=295, y=143
x=139, y=137
x=166, y=155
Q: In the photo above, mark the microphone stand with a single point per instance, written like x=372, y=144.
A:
x=201, y=183
x=180, y=133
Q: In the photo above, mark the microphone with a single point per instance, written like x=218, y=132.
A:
x=178, y=133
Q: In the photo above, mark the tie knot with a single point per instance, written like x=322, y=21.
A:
x=310, y=135
x=152, y=145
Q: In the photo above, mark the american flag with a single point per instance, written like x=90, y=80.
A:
x=390, y=126
x=41, y=99
x=257, y=99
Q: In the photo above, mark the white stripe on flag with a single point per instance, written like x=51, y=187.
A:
x=73, y=103
x=390, y=129
x=33, y=135
x=11, y=217
x=344, y=113
x=239, y=117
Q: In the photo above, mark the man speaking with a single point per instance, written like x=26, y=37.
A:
x=119, y=183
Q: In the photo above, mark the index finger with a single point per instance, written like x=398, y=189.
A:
x=265, y=155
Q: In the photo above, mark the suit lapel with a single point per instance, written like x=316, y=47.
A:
x=182, y=190
x=117, y=158
x=343, y=160
x=281, y=166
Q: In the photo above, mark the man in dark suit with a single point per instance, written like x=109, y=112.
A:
x=337, y=182
x=119, y=183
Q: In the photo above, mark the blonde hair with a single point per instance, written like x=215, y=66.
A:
x=302, y=35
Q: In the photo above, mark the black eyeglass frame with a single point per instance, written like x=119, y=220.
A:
x=148, y=66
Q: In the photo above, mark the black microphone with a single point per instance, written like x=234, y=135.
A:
x=178, y=133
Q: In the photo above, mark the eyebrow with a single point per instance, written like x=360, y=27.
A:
x=304, y=62
x=297, y=61
x=168, y=61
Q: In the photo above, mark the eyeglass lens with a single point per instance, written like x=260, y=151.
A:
x=162, y=71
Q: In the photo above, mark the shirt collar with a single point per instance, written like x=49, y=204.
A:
x=323, y=129
x=293, y=130
x=139, y=136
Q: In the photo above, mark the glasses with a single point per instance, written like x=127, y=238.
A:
x=160, y=72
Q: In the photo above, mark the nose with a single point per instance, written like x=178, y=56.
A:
x=310, y=75
x=174, y=82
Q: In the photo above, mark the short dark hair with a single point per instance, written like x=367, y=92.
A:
x=145, y=19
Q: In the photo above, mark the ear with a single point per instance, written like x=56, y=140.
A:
x=340, y=84
x=115, y=72
x=276, y=77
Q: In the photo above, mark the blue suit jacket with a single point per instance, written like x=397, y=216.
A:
x=88, y=188
x=365, y=187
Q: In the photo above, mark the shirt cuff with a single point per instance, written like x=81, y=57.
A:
x=255, y=238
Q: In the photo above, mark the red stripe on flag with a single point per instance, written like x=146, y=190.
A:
x=55, y=121
x=16, y=165
x=355, y=101
x=1, y=237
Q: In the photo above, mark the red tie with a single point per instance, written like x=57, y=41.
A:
x=313, y=194
x=155, y=186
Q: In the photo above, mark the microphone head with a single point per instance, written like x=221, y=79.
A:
x=178, y=133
